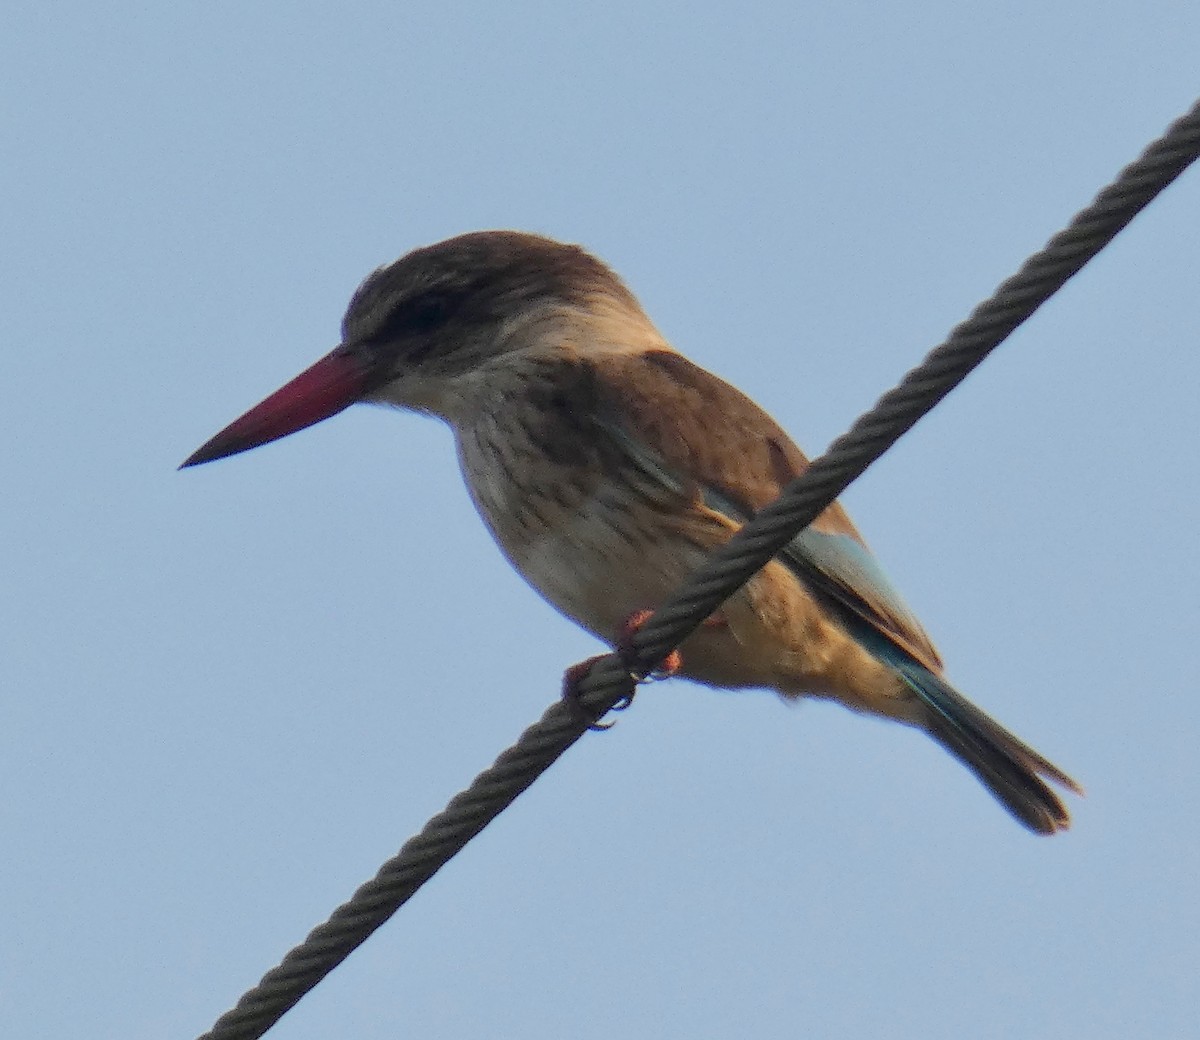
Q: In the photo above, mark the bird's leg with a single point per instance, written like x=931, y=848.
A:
x=623, y=646
x=570, y=691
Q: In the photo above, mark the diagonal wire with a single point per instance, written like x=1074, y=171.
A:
x=608, y=681
x=900, y=408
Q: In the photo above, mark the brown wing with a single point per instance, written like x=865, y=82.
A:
x=704, y=434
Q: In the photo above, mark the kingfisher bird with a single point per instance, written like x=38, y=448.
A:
x=607, y=466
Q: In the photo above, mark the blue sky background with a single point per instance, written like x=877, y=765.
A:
x=229, y=694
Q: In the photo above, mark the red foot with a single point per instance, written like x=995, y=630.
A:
x=573, y=675
x=570, y=693
x=623, y=644
x=673, y=662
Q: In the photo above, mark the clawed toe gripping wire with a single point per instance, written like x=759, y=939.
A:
x=608, y=683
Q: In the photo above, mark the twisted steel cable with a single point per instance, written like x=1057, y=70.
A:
x=609, y=682
x=947, y=365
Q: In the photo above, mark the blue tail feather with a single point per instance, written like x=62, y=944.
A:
x=1007, y=766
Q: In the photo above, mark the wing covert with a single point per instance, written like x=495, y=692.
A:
x=699, y=435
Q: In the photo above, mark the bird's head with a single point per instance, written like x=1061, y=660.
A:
x=417, y=328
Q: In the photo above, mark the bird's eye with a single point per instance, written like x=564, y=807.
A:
x=428, y=313
x=417, y=317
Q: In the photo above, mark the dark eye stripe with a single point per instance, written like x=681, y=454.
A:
x=417, y=317
x=430, y=313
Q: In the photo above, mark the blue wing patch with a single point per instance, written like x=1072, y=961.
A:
x=843, y=569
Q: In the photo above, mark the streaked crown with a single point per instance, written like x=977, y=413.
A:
x=430, y=301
